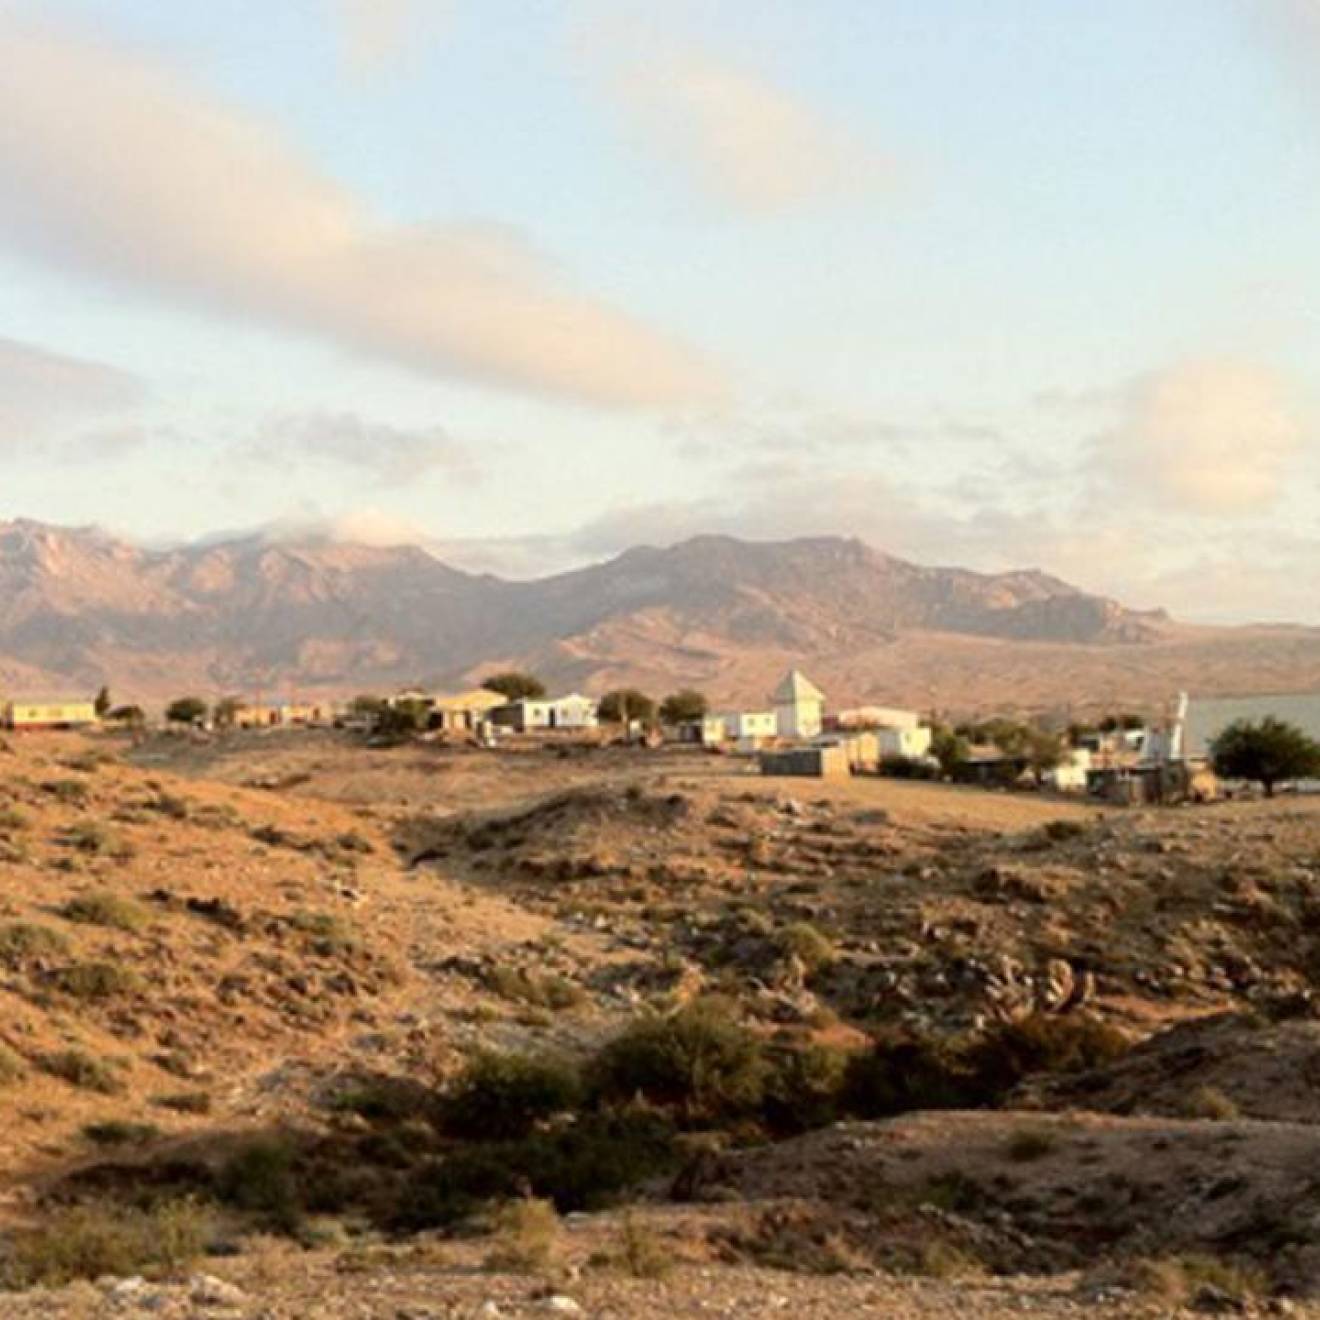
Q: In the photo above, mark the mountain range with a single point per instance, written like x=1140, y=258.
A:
x=246, y=615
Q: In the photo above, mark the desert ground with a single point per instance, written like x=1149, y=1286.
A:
x=952, y=1052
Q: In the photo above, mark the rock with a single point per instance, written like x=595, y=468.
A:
x=207, y=1290
x=562, y=1304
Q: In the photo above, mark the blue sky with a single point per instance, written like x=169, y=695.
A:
x=527, y=281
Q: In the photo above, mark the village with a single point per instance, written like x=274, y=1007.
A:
x=1121, y=759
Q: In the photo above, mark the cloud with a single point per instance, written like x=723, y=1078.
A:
x=367, y=526
x=140, y=179
x=748, y=143
x=40, y=389
x=394, y=456
x=1208, y=437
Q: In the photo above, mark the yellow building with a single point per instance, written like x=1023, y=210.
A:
x=68, y=713
x=463, y=711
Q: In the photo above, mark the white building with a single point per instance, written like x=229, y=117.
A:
x=1070, y=775
x=529, y=715
x=799, y=706
x=911, y=743
x=741, y=724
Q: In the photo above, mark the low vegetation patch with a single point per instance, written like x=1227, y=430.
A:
x=23, y=943
x=104, y=909
x=503, y=1096
x=97, y=980
x=84, y=1070
x=92, y=1241
x=526, y=1237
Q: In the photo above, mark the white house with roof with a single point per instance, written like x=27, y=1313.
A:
x=799, y=706
x=573, y=711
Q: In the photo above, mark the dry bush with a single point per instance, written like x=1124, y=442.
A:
x=84, y=1070
x=526, y=1237
x=90, y=1241
x=1209, y=1102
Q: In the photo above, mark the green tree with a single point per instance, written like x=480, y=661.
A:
x=950, y=749
x=624, y=705
x=1044, y=752
x=186, y=710
x=515, y=685
x=102, y=703
x=403, y=717
x=1270, y=752
x=683, y=706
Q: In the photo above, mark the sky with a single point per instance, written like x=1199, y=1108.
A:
x=1007, y=285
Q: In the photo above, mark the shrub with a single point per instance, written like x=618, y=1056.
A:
x=70, y=791
x=84, y=1070
x=804, y=1087
x=259, y=1178
x=539, y=991
x=1030, y=1144
x=640, y=1253
x=502, y=1096
x=578, y=1166
x=90, y=1241
x=104, y=909
x=1210, y=1102
x=328, y=935
x=1061, y=831
x=22, y=942
x=906, y=1071
x=96, y=980
x=119, y=1132
x=526, y=1234
x=808, y=944
x=11, y=1067
x=185, y=1102
x=699, y=1061
x=12, y=819
x=1040, y=1043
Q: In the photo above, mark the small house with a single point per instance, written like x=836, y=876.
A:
x=533, y=715
x=61, y=713
x=799, y=706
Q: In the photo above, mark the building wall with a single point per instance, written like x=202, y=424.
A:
x=910, y=743
x=808, y=762
x=48, y=714
x=799, y=720
x=740, y=724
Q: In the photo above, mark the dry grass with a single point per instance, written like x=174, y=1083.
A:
x=526, y=1237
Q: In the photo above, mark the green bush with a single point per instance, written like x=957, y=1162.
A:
x=23, y=942
x=526, y=1235
x=807, y=943
x=104, y=909
x=581, y=1165
x=699, y=1062
x=804, y=1087
x=903, y=1071
x=502, y=1096
x=260, y=1178
x=83, y=1070
x=11, y=1067
x=119, y=1132
x=12, y=819
x=97, y=980
x=1009, y=1052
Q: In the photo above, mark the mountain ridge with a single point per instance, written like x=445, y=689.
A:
x=79, y=607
